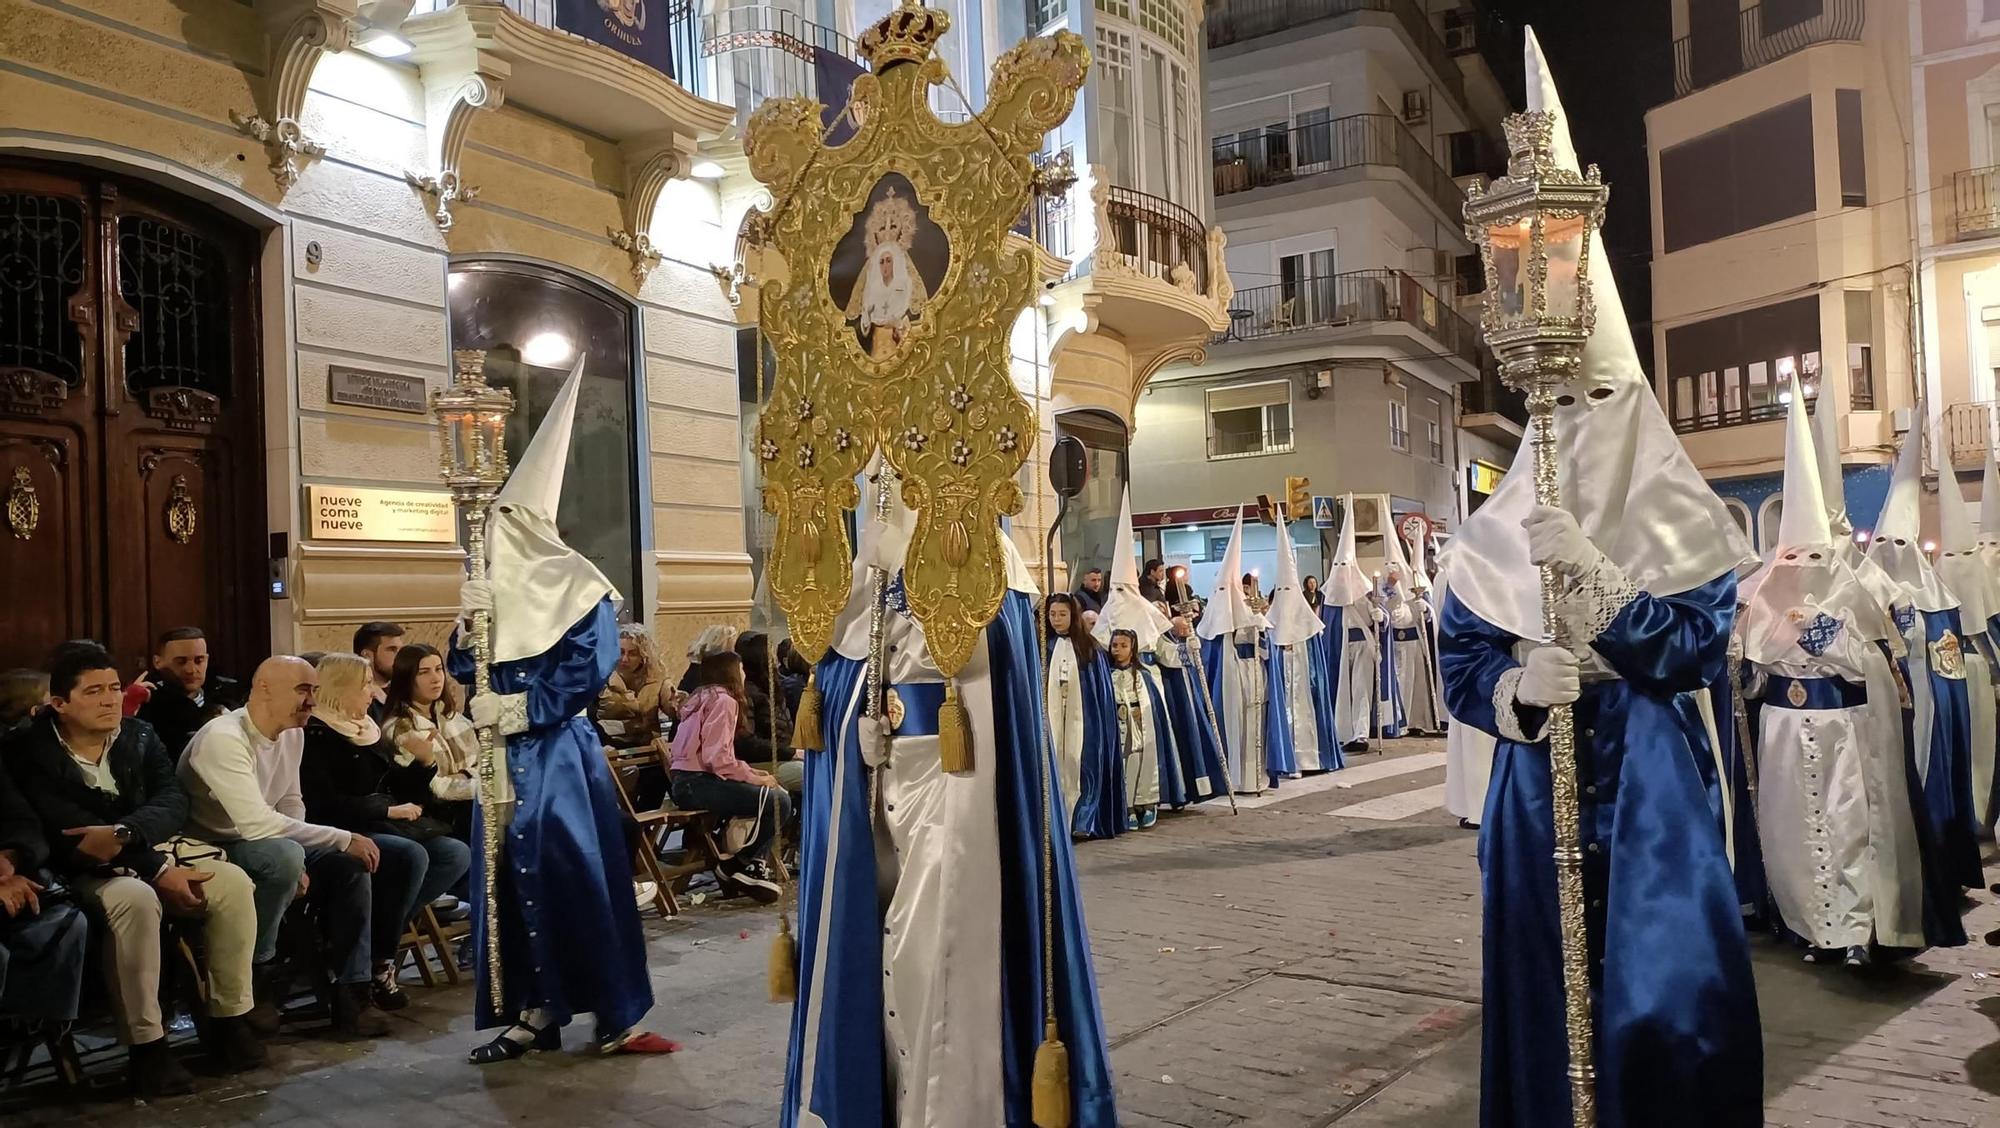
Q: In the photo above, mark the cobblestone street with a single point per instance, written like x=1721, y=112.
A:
x=1312, y=961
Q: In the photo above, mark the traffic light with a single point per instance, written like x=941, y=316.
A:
x=1267, y=510
x=1298, y=498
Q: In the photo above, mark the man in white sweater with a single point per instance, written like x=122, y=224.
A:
x=241, y=772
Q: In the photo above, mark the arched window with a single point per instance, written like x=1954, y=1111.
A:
x=532, y=321
x=1769, y=517
x=1741, y=514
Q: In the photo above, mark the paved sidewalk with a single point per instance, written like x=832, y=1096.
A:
x=1312, y=961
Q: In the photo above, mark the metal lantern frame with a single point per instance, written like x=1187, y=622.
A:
x=1540, y=351
x=472, y=425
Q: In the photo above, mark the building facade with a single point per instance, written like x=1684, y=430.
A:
x=243, y=240
x=1785, y=207
x=1342, y=135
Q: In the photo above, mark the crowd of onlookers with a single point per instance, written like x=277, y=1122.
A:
x=291, y=825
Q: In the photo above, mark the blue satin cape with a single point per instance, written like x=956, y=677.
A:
x=1279, y=754
x=1948, y=781
x=1678, y=1042
x=1174, y=787
x=1100, y=788
x=1194, y=739
x=570, y=939
x=838, y=898
x=1388, y=686
x=1323, y=668
x=1944, y=926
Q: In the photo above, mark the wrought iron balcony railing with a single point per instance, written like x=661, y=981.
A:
x=1361, y=140
x=1233, y=21
x=1156, y=237
x=1354, y=298
x=761, y=52
x=678, y=17
x=1765, y=32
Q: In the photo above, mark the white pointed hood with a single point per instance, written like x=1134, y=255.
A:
x=1833, y=489
x=1228, y=609
x=1959, y=564
x=1623, y=471
x=1420, y=571
x=1293, y=620
x=1989, y=516
x=1898, y=545
x=1346, y=583
x=1125, y=609
x=1805, y=576
x=541, y=586
x=1395, y=564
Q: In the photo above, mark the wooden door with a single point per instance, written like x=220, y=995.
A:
x=130, y=420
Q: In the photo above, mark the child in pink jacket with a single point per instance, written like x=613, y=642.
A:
x=707, y=776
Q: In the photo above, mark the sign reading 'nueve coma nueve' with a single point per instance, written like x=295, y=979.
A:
x=358, y=513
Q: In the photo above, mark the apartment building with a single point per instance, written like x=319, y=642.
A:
x=1342, y=134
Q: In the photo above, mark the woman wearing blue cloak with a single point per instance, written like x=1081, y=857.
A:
x=1650, y=556
x=570, y=941
x=922, y=935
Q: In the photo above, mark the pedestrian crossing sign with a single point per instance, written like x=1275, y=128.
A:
x=1324, y=512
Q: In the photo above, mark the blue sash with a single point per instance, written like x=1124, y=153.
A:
x=1407, y=634
x=1356, y=634
x=1814, y=694
x=921, y=702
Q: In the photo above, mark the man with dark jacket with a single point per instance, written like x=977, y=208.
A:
x=41, y=941
x=107, y=795
x=176, y=696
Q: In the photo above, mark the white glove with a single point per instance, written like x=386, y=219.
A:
x=484, y=710
x=1551, y=676
x=1381, y=616
x=874, y=733
x=1555, y=538
x=473, y=596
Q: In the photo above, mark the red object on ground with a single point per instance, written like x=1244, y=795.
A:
x=649, y=1043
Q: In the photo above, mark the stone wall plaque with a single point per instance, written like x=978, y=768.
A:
x=383, y=391
x=360, y=513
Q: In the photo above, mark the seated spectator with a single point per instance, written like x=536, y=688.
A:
x=793, y=673
x=42, y=943
x=377, y=644
x=241, y=772
x=105, y=790
x=174, y=696
x=629, y=708
x=707, y=776
x=351, y=779
x=23, y=693
x=425, y=725
x=768, y=736
x=718, y=639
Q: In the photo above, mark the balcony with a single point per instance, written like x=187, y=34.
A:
x=1967, y=433
x=1361, y=141
x=759, y=52
x=1234, y=21
x=1764, y=33
x=1975, y=204
x=1491, y=409
x=1359, y=300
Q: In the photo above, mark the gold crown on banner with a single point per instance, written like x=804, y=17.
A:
x=907, y=35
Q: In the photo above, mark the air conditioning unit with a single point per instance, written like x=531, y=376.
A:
x=1460, y=38
x=1323, y=379
x=1416, y=107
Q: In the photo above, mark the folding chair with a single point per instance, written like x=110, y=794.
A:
x=654, y=825
x=425, y=938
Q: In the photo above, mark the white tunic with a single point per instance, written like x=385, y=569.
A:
x=1413, y=665
x=1065, y=704
x=1304, y=709
x=1138, y=736
x=1243, y=700
x=1354, y=701
x=1468, y=770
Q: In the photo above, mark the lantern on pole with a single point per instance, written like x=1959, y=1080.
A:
x=1534, y=228
x=472, y=422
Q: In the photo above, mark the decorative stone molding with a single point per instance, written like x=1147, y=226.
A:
x=645, y=256
x=300, y=31
x=649, y=164
x=452, y=98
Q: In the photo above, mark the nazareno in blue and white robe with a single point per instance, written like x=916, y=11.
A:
x=1678, y=1041
x=1312, y=699
x=920, y=924
x=1196, y=733
x=1246, y=687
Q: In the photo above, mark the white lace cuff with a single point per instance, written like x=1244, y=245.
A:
x=1506, y=708
x=1599, y=595
x=513, y=713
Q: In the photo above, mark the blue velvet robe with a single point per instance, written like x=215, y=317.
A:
x=1100, y=789
x=1678, y=1041
x=1944, y=925
x=839, y=899
x=1947, y=781
x=1195, y=738
x=1175, y=785
x=570, y=940
x=1323, y=667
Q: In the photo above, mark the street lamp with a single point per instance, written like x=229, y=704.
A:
x=472, y=423
x=1534, y=228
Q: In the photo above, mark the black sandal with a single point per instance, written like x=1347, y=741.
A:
x=504, y=1048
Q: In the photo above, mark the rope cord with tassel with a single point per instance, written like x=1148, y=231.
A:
x=782, y=971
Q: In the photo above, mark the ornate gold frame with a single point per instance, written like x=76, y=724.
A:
x=944, y=410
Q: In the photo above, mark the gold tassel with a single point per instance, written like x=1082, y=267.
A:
x=805, y=727
x=784, y=970
x=954, y=733
x=1049, y=1100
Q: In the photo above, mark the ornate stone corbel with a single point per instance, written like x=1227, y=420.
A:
x=645, y=256
x=300, y=31
x=452, y=98
x=1220, y=287
x=649, y=164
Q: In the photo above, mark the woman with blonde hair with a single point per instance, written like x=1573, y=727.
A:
x=629, y=708
x=352, y=777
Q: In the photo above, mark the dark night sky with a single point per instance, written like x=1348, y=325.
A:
x=1613, y=60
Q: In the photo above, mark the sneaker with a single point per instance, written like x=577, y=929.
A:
x=157, y=1073
x=445, y=903
x=1148, y=818
x=386, y=992
x=458, y=911
x=643, y=892
x=355, y=1013
x=754, y=879
x=1132, y=820
x=236, y=1045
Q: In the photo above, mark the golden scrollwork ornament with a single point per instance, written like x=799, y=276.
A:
x=24, y=505
x=891, y=318
x=181, y=511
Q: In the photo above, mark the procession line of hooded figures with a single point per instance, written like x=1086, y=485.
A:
x=1837, y=768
